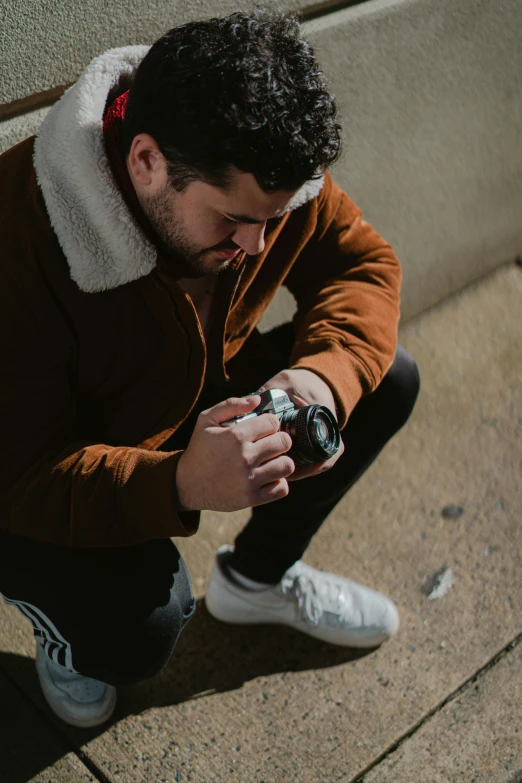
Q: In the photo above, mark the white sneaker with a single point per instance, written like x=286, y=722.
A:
x=76, y=699
x=320, y=604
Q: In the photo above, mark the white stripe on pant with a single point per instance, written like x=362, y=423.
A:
x=46, y=632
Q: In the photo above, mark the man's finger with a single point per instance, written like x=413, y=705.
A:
x=315, y=469
x=276, y=490
x=304, y=471
x=273, y=445
x=274, y=470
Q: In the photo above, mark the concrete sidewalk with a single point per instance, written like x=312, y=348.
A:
x=441, y=702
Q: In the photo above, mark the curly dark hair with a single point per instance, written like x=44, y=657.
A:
x=242, y=90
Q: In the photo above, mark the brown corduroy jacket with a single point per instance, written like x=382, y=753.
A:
x=101, y=359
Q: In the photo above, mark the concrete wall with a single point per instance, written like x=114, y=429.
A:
x=44, y=43
x=17, y=128
x=430, y=97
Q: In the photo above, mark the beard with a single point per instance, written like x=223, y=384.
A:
x=158, y=210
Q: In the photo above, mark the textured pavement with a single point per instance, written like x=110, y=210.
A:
x=440, y=702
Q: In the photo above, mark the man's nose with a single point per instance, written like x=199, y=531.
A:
x=250, y=237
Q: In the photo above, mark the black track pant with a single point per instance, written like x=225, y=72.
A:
x=116, y=614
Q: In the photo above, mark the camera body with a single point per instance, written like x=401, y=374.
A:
x=313, y=428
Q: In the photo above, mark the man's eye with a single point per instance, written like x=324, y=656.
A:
x=273, y=222
x=229, y=220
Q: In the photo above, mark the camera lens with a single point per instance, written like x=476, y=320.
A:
x=314, y=432
x=323, y=433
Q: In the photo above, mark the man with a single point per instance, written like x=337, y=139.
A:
x=142, y=245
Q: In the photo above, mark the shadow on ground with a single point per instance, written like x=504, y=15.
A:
x=213, y=657
x=210, y=657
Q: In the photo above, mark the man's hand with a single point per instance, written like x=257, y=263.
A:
x=304, y=387
x=230, y=468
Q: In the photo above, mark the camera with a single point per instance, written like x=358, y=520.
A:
x=313, y=428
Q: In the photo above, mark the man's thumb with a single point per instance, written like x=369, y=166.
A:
x=232, y=407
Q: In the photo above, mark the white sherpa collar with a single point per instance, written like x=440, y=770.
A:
x=99, y=236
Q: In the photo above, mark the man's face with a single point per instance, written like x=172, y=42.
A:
x=206, y=227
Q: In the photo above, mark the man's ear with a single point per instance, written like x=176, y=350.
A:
x=146, y=164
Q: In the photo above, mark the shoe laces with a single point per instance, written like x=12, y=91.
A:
x=314, y=595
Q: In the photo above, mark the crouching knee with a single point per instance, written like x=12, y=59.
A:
x=144, y=652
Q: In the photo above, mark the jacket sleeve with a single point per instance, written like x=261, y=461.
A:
x=53, y=486
x=346, y=282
